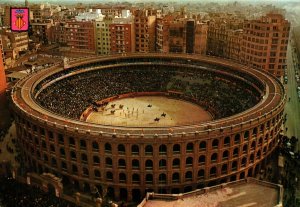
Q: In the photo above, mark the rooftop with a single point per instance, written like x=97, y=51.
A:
x=243, y=193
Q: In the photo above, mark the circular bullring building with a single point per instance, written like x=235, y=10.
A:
x=137, y=123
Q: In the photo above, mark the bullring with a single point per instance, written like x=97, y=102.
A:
x=127, y=161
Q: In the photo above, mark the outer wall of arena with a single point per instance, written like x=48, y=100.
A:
x=128, y=166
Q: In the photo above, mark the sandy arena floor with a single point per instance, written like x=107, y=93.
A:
x=137, y=113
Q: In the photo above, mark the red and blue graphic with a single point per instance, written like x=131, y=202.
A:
x=19, y=19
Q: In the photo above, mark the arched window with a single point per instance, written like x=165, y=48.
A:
x=109, y=176
x=135, y=150
x=162, y=149
x=202, y=146
x=121, y=149
x=136, y=178
x=215, y=143
x=245, y=149
x=175, y=177
x=225, y=155
x=189, y=162
x=71, y=142
x=201, y=174
x=96, y=160
x=122, y=178
x=201, y=160
x=122, y=164
x=162, y=163
x=84, y=158
x=261, y=129
x=176, y=163
x=97, y=173
x=82, y=144
x=62, y=152
x=227, y=141
x=214, y=157
x=213, y=171
x=162, y=178
x=260, y=141
x=149, y=164
x=73, y=155
x=236, y=152
x=85, y=171
x=251, y=158
x=253, y=145
x=149, y=178
x=244, y=162
x=189, y=147
x=53, y=162
x=237, y=139
x=95, y=146
x=188, y=176
x=74, y=169
x=246, y=135
x=135, y=164
x=254, y=132
x=108, y=162
x=234, y=166
x=107, y=148
x=266, y=138
x=224, y=169
x=265, y=150
x=148, y=150
x=176, y=149
x=258, y=154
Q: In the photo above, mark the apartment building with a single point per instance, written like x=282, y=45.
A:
x=265, y=41
x=122, y=35
x=81, y=36
x=144, y=22
x=103, y=35
x=2, y=74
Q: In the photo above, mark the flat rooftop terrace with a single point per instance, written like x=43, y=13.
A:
x=243, y=193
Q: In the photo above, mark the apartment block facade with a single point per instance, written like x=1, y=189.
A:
x=103, y=35
x=264, y=44
x=122, y=35
x=81, y=36
x=144, y=22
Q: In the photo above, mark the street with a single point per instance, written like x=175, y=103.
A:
x=292, y=107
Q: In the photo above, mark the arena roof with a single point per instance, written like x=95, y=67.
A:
x=243, y=193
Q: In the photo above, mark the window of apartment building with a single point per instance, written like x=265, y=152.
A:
x=272, y=54
x=275, y=35
x=266, y=41
x=274, y=20
x=271, y=66
x=272, y=60
x=274, y=41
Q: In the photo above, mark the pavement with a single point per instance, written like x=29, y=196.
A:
x=292, y=108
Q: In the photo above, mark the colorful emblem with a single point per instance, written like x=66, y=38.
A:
x=19, y=19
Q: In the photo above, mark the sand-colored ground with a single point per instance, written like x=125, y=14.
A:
x=136, y=112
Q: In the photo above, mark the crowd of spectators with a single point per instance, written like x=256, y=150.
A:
x=15, y=194
x=224, y=94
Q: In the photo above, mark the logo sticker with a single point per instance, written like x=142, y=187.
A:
x=19, y=19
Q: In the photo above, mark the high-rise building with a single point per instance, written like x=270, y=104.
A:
x=81, y=36
x=264, y=44
x=6, y=18
x=181, y=35
x=2, y=74
x=144, y=22
x=103, y=35
x=122, y=35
